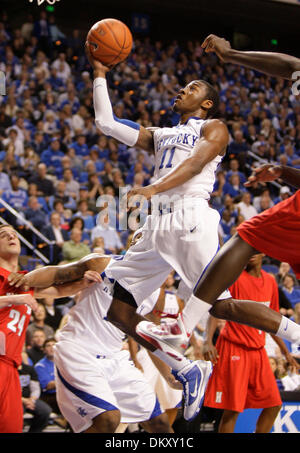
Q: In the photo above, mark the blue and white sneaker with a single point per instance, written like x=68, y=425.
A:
x=194, y=378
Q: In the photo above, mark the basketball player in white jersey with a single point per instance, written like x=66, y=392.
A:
x=97, y=385
x=182, y=231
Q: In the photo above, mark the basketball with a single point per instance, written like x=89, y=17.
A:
x=110, y=41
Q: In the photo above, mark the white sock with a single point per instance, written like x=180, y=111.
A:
x=289, y=330
x=193, y=311
x=177, y=362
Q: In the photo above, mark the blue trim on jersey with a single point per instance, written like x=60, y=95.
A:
x=179, y=405
x=192, y=118
x=117, y=257
x=157, y=410
x=206, y=267
x=87, y=397
x=128, y=123
x=103, y=276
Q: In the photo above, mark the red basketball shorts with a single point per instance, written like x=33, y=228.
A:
x=241, y=379
x=11, y=409
x=276, y=232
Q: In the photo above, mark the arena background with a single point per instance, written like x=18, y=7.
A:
x=261, y=24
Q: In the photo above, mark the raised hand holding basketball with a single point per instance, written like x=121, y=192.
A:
x=97, y=66
x=109, y=41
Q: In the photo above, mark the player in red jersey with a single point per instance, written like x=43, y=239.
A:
x=15, y=311
x=242, y=377
x=275, y=232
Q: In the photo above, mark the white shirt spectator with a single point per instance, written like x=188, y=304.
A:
x=18, y=145
x=77, y=122
x=247, y=210
x=58, y=235
x=110, y=236
x=4, y=181
x=63, y=68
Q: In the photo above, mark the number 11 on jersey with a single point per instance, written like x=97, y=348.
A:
x=169, y=164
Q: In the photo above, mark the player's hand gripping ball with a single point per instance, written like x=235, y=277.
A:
x=109, y=41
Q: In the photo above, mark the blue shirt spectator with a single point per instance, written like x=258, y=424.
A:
x=290, y=289
x=84, y=213
x=15, y=196
x=45, y=368
x=35, y=214
x=234, y=187
x=52, y=156
x=80, y=146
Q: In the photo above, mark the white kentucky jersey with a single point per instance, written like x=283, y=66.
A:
x=175, y=144
x=87, y=322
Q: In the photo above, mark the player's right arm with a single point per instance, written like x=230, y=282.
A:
x=271, y=63
x=18, y=299
x=268, y=172
x=54, y=275
x=125, y=131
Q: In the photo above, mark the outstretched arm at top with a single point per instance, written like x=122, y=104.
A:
x=213, y=143
x=55, y=275
x=271, y=63
x=125, y=131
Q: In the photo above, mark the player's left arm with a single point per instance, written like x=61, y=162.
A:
x=284, y=350
x=69, y=289
x=54, y=275
x=213, y=142
x=281, y=344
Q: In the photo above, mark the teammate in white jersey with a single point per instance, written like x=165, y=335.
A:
x=97, y=386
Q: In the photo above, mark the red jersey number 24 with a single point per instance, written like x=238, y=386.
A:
x=17, y=322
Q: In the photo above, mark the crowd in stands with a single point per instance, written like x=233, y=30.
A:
x=54, y=163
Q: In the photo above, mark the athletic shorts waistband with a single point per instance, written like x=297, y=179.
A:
x=168, y=207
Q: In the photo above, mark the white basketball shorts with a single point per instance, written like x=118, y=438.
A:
x=87, y=386
x=185, y=240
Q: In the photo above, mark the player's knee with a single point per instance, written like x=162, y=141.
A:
x=223, y=309
x=107, y=422
x=275, y=410
x=159, y=424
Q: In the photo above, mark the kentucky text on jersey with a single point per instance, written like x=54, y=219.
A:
x=185, y=139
